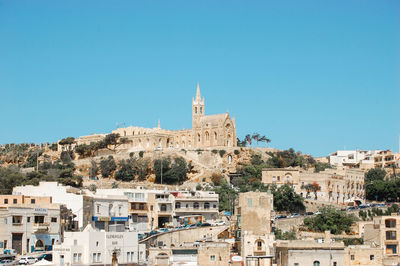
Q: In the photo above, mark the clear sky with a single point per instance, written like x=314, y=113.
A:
x=313, y=75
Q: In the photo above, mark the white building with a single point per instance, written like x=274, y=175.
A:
x=353, y=158
x=29, y=228
x=92, y=247
x=109, y=209
x=66, y=195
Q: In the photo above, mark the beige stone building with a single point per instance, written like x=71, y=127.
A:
x=340, y=185
x=207, y=131
x=387, y=159
x=383, y=233
x=304, y=252
x=363, y=255
x=254, y=227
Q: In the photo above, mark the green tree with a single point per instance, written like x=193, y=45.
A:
x=125, y=171
x=375, y=174
x=286, y=199
x=107, y=166
x=227, y=196
x=330, y=219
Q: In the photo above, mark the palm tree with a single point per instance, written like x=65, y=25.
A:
x=256, y=137
x=265, y=139
x=247, y=139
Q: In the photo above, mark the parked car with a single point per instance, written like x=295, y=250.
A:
x=294, y=215
x=219, y=223
x=309, y=213
x=281, y=217
x=163, y=230
x=46, y=256
x=180, y=227
x=154, y=232
x=27, y=260
x=352, y=208
x=205, y=224
x=6, y=262
x=317, y=212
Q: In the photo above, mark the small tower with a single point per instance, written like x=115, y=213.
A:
x=197, y=108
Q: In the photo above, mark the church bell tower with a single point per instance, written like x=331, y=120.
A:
x=197, y=108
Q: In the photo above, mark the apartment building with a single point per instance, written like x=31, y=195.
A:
x=28, y=224
x=151, y=208
x=339, y=185
x=108, y=210
x=384, y=232
x=387, y=159
x=71, y=197
x=93, y=247
x=362, y=159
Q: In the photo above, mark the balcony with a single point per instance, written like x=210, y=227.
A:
x=41, y=227
x=208, y=210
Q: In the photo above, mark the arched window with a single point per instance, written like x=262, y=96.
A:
x=259, y=244
x=177, y=205
x=316, y=263
x=147, y=143
x=198, y=137
x=195, y=110
x=207, y=136
x=196, y=205
x=39, y=245
x=206, y=205
x=201, y=110
x=163, y=207
x=215, y=135
x=124, y=133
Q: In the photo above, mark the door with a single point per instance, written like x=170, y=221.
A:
x=17, y=242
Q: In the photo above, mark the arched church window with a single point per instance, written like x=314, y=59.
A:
x=124, y=133
x=198, y=137
x=195, y=110
x=201, y=110
x=147, y=143
x=215, y=135
x=207, y=136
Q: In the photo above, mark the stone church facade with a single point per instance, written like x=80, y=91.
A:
x=207, y=131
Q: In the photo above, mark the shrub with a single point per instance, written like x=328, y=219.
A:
x=92, y=187
x=236, y=152
x=217, y=179
x=214, y=151
x=107, y=166
x=222, y=153
x=141, y=154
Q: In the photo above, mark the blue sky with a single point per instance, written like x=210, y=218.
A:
x=313, y=75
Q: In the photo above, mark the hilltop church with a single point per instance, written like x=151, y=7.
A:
x=207, y=131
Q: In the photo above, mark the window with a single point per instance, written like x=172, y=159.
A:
x=214, y=206
x=250, y=202
x=163, y=207
x=129, y=256
x=390, y=235
x=259, y=245
x=206, y=205
x=39, y=219
x=371, y=257
x=75, y=242
x=98, y=208
x=316, y=263
x=141, y=206
x=79, y=257
x=195, y=110
x=15, y=201
x=53, y=219
x=352, y=257
x=17, y=219
x=28, y=219
x=212, y=258
x=390, y=223
x=296, y=264
x=151, y=207
x=201, y=110
x=391, y=249
x=33, y=201
x=5, y=201
x=97, y=243
x=196, y=205
x=177, y=205
x=334, y=263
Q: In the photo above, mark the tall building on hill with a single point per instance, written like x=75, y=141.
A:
x=207, y=131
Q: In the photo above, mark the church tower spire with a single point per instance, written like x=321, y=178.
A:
x=197, y=108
